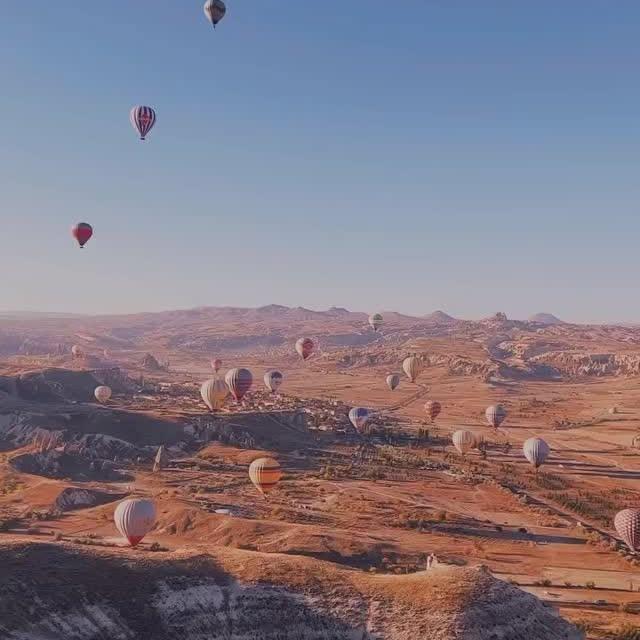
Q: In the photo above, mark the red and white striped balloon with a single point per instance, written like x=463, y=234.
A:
x=143, y=118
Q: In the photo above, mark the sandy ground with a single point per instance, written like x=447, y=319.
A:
x=362, y=522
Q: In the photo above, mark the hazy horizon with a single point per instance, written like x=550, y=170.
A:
x=470, y=157
x=40, y=312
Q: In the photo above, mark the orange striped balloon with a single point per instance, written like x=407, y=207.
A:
x=265, y=473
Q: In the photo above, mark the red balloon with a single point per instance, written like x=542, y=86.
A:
x=433, y=409
x=82, y=232
x=305, y=347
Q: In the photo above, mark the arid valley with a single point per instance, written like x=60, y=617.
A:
x=383, y=532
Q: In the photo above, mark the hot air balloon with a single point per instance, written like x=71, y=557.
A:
x=359, y=416
x=393, y=381
x=134, y=519
x=627, y=524
x=375, y=320
x=214, y=10
x=76, y=351
x=216, y=364
x=304, y=347
x=463, y=441
x=536, y=451
x=239, y=382
x=273, y=380
x=495, y=415
x=102, y=393
x=412, y=367
x=265, y=473
x=214, y=393
x=142, y=118
x=82, y=232
x=433, y=409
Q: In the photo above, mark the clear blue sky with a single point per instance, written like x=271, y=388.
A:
x=469, y=155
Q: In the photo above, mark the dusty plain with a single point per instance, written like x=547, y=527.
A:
x=377, y=503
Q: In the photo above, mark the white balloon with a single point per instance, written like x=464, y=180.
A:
x=214, y=393
x=536, y=451
x=273, y=380
x=463, y=440
x=134, y=518
x=102, y=393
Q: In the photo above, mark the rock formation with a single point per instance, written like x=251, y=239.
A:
x=83, y=595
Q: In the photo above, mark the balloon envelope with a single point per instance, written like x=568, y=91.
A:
x=627, y=524
x=239, y=382
x=496, y=415
x=536, y=451
x=304, y=347
x=273, y=380
x=214, y=10
x=214, y=393
x=102, y=393
x=375, y=320
x=412, y=367
x=216, y=364
x=359, y=416
x=463, y=440
x=82, y=232
x=134, y=519
x=265, y=473
x=433, y=409
x=142, y=119
x=393, y=381
x=76, y=351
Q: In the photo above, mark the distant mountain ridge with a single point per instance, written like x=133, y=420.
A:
x=272, y=310
x=440, y=317
x=545, y=318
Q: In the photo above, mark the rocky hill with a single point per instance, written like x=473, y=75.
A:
x=58, y=591
x=542, y=347
x=545, y=318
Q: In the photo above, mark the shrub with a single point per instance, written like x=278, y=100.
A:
x=590, y=584
x=626, y=632
x=586, y=626
x=543, y=583
x=442, y=516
